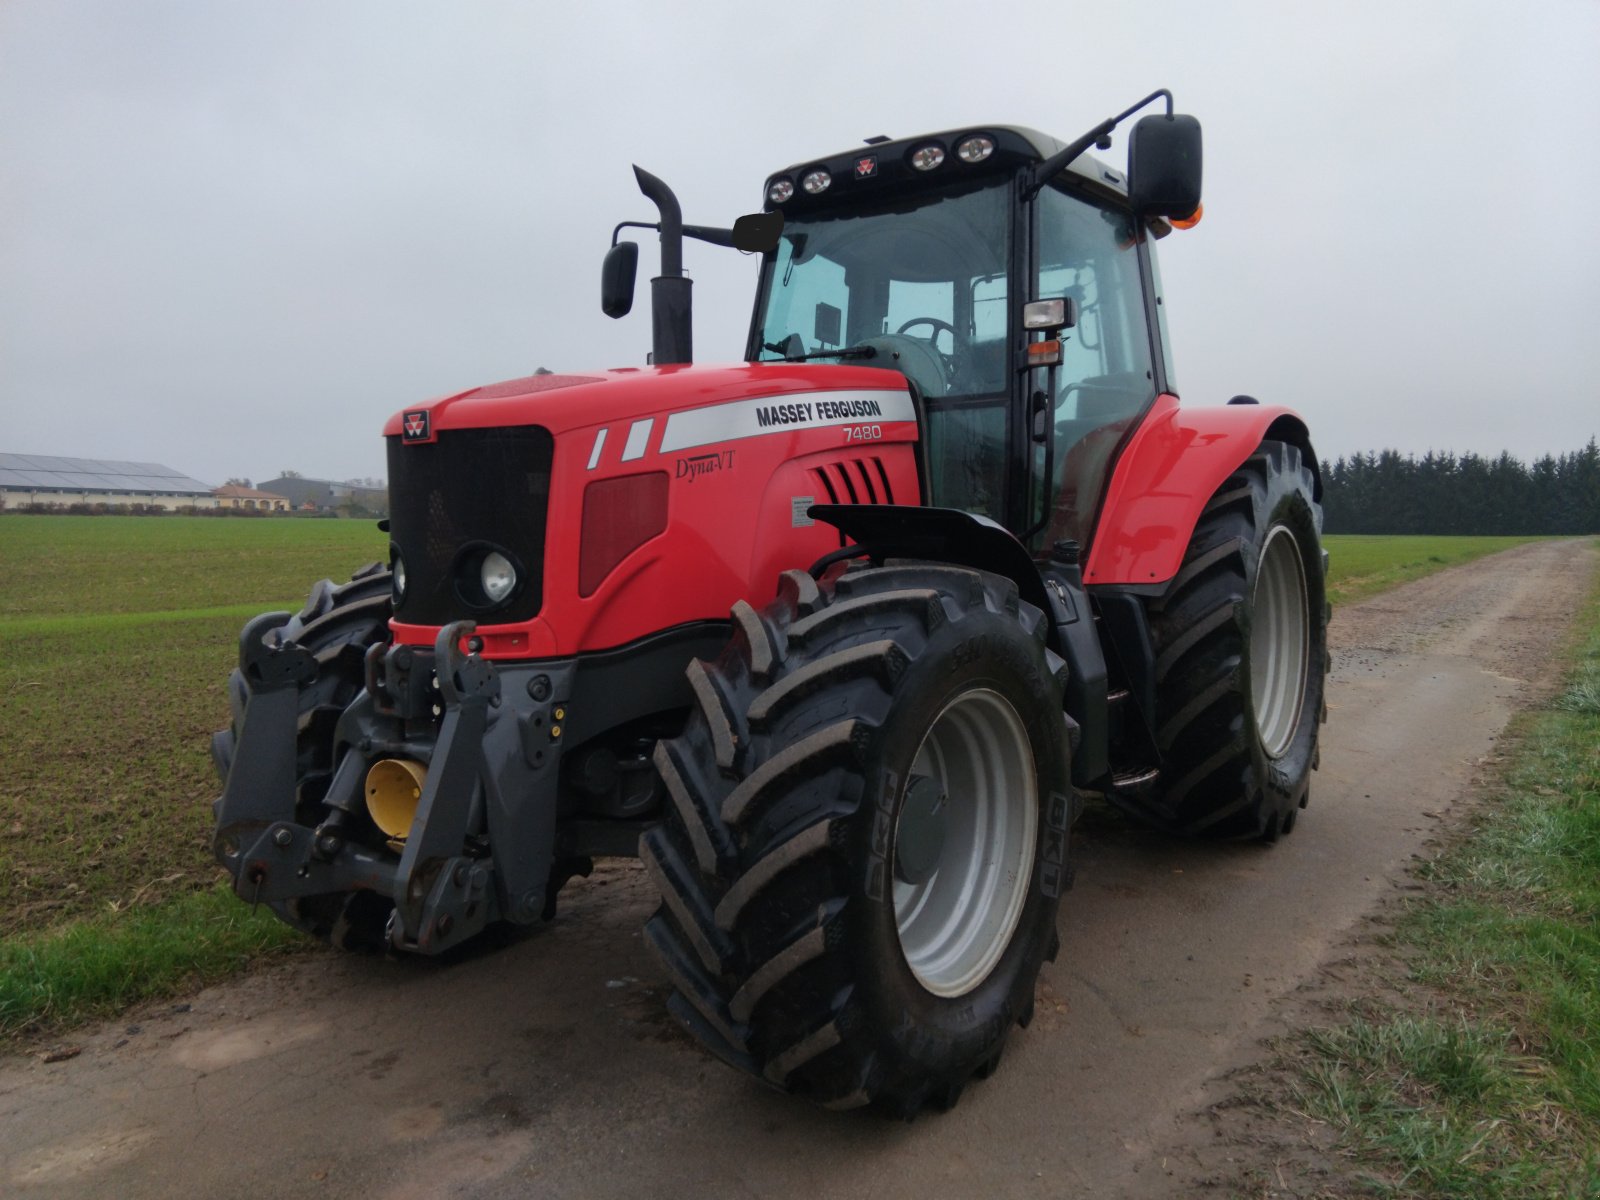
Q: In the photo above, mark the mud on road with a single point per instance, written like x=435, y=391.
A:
x=551, y=1069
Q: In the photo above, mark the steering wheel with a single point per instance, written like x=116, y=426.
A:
x=914, y=358
x=938, y=328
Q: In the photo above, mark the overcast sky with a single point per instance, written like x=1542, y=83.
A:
x=235, y=237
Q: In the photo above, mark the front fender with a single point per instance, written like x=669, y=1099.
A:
x=1171, y=468
x=940, y=534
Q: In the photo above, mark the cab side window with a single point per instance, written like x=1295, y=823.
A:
x=1090, y=254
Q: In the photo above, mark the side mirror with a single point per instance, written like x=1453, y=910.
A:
x=617, y=274
x=758, y=233
x=1164, y=166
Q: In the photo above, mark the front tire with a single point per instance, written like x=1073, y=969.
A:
x=861, y=863
x=1241, y=641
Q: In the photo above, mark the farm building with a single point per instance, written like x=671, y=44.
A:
x=231, y=495
x=327, y=495
x=45, y=479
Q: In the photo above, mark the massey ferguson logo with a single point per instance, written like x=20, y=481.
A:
x=416, y=426
x=866, y=166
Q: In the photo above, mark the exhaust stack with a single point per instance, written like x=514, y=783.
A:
x=671, y=302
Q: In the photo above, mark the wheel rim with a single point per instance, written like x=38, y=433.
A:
x=1280, y=641
x=957, y=919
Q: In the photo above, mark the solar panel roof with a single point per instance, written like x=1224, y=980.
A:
x=35, y=472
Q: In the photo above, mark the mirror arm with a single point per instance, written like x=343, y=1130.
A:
x=1099, y=136
x=621, y=225
x=703, y=233
x=1158, y=94
x=707, y=233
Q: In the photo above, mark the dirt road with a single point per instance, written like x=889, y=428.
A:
x=550, y=1069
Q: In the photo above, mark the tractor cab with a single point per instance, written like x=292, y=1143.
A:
x=939, y=256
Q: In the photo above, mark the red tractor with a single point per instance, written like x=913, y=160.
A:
x=834, y=639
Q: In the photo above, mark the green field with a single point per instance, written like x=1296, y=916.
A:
x=1361, y=565
x=116, y=638
x=169, y=568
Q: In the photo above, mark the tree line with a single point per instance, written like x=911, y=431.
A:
x=1445, y=493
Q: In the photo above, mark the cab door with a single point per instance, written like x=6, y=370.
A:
x=1088, y=251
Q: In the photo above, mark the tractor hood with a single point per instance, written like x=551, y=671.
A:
x=564, y=402
x=631, y=501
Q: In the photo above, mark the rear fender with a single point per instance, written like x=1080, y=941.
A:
x=1176, y=461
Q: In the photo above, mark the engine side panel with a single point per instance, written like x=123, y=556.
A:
x=1174, y=464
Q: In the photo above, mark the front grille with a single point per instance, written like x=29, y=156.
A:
x=471, y=489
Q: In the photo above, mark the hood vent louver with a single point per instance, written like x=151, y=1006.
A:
x=854, y=481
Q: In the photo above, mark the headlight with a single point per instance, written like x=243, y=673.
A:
x=926, y=158
x=780, y=190
x=398, y=566
x=487, y=577
x=498, y=576
x=975, y=148
x=816, y=182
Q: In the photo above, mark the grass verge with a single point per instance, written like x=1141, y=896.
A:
x=1489, y=1084
x=100, y=965
x=1361, y=565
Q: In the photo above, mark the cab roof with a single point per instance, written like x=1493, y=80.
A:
x=858, y=173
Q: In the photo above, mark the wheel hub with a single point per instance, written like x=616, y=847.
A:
x=1280, y=641
x=919, y=840
x=965, y=841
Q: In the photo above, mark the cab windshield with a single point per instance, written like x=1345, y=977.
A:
x=921, y=284
x=918, y=285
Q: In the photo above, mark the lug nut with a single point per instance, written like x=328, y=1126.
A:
x=283, y=837
x=539, y=687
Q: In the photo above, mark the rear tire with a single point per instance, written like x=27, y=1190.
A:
x=1241, y=643
x=337, y=625
x=862, y=857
